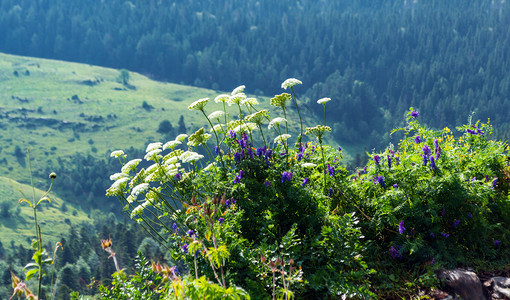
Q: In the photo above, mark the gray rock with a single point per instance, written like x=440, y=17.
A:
x=464, y=283
x=499, y=287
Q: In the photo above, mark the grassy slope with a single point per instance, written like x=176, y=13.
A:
x=19, y=227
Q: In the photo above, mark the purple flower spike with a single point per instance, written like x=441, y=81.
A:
x=417, y=139
x=190, y=233
x=330, y=192
x=217, y=150
x=425, y=160
x=395, y=186
x=497, y=243
x=494, y=182
x=377, y=159
x=380, y=180
x=267, y=183
x=446, y=235
x=455, y=223
x=221, y=220
x=414, y=114
x=426, y=150
x=305, y=182
x=389, y=161
x=401, y=227
x=185, y=248
x=395, y=252
x=340, y=149
x=175, y=227
x=436, y=144
x=178, y=176
x=232, y=134
x=470, y=215
x=227, y=203
x=432, y=163
x=331, y=171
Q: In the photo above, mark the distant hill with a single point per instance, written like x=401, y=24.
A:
x=17, y=220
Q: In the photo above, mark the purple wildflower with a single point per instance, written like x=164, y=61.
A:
x=436, y=144
x=237, y=156
x=267, y=183
x=232, y=134
x=432, y=163
x=238, y=177
x=401, y=227
x=260, y=151
x=299, y=156
x=233, y=200
x=469, y=215
x=425, y=160
x=190, y=233
x=178, y=176
x=305, y=182
x=185, y=248
x=432, y=261
x=389, y=161
x=438, y=152
x=494, y=182
x=175, y=227
x=426, y=150
x=340, y=149
x=286, y=176
x=417, y=139
x=227, y=203
x=269, y=154
x=380, y=180
x=242, y=143
x=377, y=159
x=497, y=243
x=395, y=252
x=414, y=114
x=395, y=186
x=473, y=180
x=217, y=150
x=221, y=220
x=330, y=192
x=331, y=171
x=432, y=235
x=455, y=223
x=486, y=178
x=446, y=235
x=365, y=169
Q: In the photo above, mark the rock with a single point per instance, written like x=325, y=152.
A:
x=499, y=287
x=464, y=283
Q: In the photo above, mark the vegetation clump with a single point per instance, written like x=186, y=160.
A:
x=271, y=219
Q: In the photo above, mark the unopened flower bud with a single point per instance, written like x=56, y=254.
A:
x=53, y=175
x=262, y=258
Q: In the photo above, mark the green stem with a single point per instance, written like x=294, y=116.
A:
x=216, y=135
x=297, y=108
x=324, y=106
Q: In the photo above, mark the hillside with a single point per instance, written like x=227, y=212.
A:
x=17, y=222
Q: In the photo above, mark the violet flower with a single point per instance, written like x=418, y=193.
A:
x=221, y=220
x=414, y=114
x=305, y=182
x=395, y=252
x=377, y=159
x=401, y=227
x=417, y=139
x=455, y=223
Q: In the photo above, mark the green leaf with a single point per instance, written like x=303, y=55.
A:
x=30, y=265
x=43, y=199
x=25, y=200
x=31, y=273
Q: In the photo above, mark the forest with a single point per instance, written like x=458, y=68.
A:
x=377, y=58
x=374, y=60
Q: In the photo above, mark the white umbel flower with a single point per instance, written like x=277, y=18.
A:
x=141, y=188
x=282, y=138
x=199, y=104
x=323, y=100
x=130, y=165
x=276, y=122
x=221, y=98
x=171, y=145
x=216, y=115
x=181, y=137
x=238, y=90
x=153, y=146
x=117, y=153
x=290, y=83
